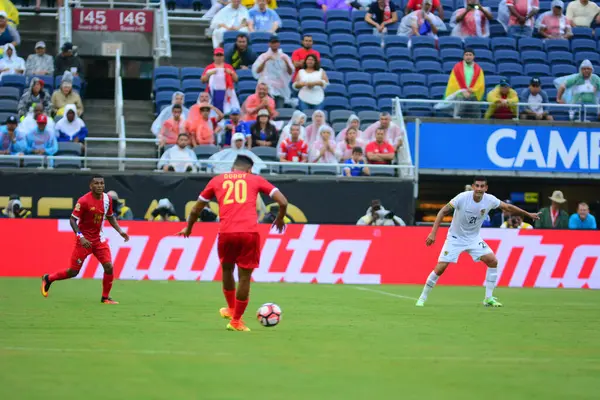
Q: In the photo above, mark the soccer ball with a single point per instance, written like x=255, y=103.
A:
x=269, y=314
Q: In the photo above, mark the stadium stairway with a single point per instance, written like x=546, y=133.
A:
x=138, y=119
x=35, y=28
x=190, y=46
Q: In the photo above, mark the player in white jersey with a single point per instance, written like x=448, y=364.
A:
x=470, y=210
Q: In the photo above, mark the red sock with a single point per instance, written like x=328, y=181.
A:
x=58, y=276
x=230, y=297
x=107, y=282
x=240, y=307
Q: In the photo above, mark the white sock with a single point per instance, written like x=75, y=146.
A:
x=490, y=281
x=431, y=281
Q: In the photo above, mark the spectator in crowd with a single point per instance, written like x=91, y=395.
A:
x=263, y=19
x=293, y=149
x=421, y=23
x=227, y=156
x=172, y=128
x=515, y=222
x=393, y=133
x=164, y=211
x=11, y=11
x=299, y=55
x=220, y=78
x=8, y=33
x=179, y=158
x=260, y=100
x=582, y=219
x=380, y=151
x=503, y=101
x=167, y=112
x=333, y=5
x=324, y=150
x=241, y=55
x=11, y=63
x=522, y=14
x=200, y=125
x=263, y=132
x=36, y=94
x=68, y=61
x=466, y=83
x=71, y=128
x=312, y=131
x=377, y=215
x=554, y=217
x=275, y=68
x=298, y=118
x=346, y=147
x=583, y=13
x=120, y=210
x=553, y=24
x=216, y=6
x=14, y=208
x=583, y=87
x=417, y=5
x=311, y=82
x=272, y=4
x=535, y=96
x=30, y=121
x=471, y=21
x=356, y=164
x=41, y=140
x=40, y=63
x=232, y=17
x=65, y=95
x=11, y=142
x=233, y=125
x=353, y=122
x=381, y=14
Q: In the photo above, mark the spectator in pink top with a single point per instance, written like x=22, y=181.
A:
x=353, y=122
x=553, y=24
x=346, y=146
x=312, y=131
x=522, y=13
x=333, y=5
x=323, y=150
x=173, y=127
x=393, y=133
x=258, y=101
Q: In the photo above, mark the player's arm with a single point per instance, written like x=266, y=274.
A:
x=112, y=220
x=446, y=210
x=512, y=209
x=280, y=199
x=74, y=225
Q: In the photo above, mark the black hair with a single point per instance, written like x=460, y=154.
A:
x=183, y=134
x=480, y=178
x=469, y=50
x=306, y=35
x=357, y=149
x=243, y=162
x=177, y=107
x=243, y=35
x=96, y=176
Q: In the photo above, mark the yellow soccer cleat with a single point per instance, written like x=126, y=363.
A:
x=45, y=285
x=237, y=326
x=226, y=313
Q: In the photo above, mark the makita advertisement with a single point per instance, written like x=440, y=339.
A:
x=310, y=254
x=509, y=148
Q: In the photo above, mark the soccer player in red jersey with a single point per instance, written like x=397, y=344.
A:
x=86, y=221
x=239, y=240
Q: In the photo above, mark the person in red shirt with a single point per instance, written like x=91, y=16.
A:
x=293, y=149
x=380, y=151
x=239, y=241
x=414, y=5
x=299, y=55
x=86, y=221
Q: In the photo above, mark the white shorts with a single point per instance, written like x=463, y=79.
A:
x=452, y=250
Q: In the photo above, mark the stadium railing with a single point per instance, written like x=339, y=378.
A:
x=65, y=28
x=162, y=35
x=119, y=117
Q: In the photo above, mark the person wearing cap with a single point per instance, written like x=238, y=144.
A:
x=42, y=141
x=416, y=5
x=582, y=219
x=554, y=217
x=203, y=121
x=179, y=158
x=583, y=13
x=275, y=68
x=421, y=22
x=121, y=211
x=36, y=94
x=172, y=127
x=8, y=33
x=233, y=17
x=227, y=156
x=535, y=96
x=39, y=63
x=11, y=142
x=263, y=132
x=553, y=24
x=14, y=208
x=11, y=63
x=521, y=17
x=503, y=102
x=466, y=83
x=221, y=78
x=263, y=19
x=583, y=87
x=240, y=56
x=29, y=123
x=471, y=21
x=381, y=13
x=233, y=125
x=65, y=95
x=71, y=128
x=66, y=60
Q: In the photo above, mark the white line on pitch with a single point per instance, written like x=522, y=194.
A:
x=384, y=293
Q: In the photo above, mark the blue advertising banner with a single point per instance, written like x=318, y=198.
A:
x=507, y=148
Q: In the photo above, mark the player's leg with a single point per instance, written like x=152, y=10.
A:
x=102, y=253
x=247, y=260
x=431, y=281
x=228, y=289
x=78, y=256
x=491, y=278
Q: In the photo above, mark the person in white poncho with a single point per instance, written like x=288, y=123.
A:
x=421, y=22
x=228, y=156
x=298, y=118
x=71, y=128
x=11, y=63
x=233, y=17
x=167, y=112
x=471, y=21
x=275, y=68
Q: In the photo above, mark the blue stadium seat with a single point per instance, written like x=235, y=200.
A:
x=510, y=69
x=300, y=4
x=484, y=55
x=594, y=57
x=507, y=56
x=557, y=45
x=401, y=66
x=393, y=41
x=398, y=53
x=7, y=105
x=437, y=80
x=290, y=48
x=385, y=104
x=246, y=87
x=425, y=54
x=537, y=70
x=166, y=72
x=563, y=69
x=412, y=79
x=339, y=116
x=560, y=57
x=230, y=37
x=357, y=78
x=545, y=6
x=451, y=54
x=320, y=38
x=358, y=104
x=448, y=66
x=359, y=90
x=327, y=64
x=385, y=78
x=362, y=28
x=339, y=52
x=335, y=103
x=417, y=110
x=552, y=92
x=450, y=42
x=259, y=48
x=313, y=26
x=530, y=44
x=347, y=65
x=476, y=43
x=428, y=67
x=335, y=77
x=357, y=15
x=370, y=53
x=547, y=82
x=245, y=75
x=422, y=41
x=191, y=73
x=339, y=27
x=337, y=15
x=493, y=80
x=290, y=25
x=533, y=56
x=368, y=40
x=259, y=37
x=519, y=82
x=583, y=45
x=502, y=43
x=582, y=33
x=334, y=89
x=488, y=67
x=161, y=85
x=437, y=92
x=282, y=3
x=287, y=13
x=497, y=31
x=415, y=92
x=9, y=93
x=373, y=66
x=164, y=99
x=192, y=85
x=324, y=51
x=290, y=38
x=311, y=14
x=387, y=91
x=342, y=39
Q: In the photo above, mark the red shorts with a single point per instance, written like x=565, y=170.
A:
x=100, y=250
x=241, y=248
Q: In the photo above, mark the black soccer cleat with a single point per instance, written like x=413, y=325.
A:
x=45, y=288
x=108, y=300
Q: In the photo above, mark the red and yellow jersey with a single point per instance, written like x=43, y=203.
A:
x=90, y=214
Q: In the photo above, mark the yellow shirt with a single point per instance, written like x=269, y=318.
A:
x=272, y=4
x=582, y=15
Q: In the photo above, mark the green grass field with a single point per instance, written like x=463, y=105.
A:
x=166, y=341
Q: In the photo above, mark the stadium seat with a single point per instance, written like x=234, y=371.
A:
x=285, y=114
x=335, y=77
x=418, y=110
x=313, y=27
x=358, y=104
x=373, y=66
x=259, y=37
x=204, y=151
x=340, y=116
x=450, y=42
x=428, y=67
x=563, y=69
x=401, y=66
x=497, y=31
x=493, y=80
x=357, y=78
x=583, y=45
x=337, y=15
x=582, y=33
x=507, y=56
x=476, y=43
x=290, y=37
x=320, y=38
x=533, y=56
x=362, y=28
x=451, y=54
x=336, y=90
x=415, y=92
x=189, y=99
x=301, y=4
x=484, y=55
x=447, y=67
x=425, y=54
x=530, y=44
x=422, y=42
x=357, y=15
x=32, y=163
x=163, y=99
x=488, y=68
x=412, y=79
x=371, y=53
x=324, y=51
x=295, y=169
x=342, y=39
x=519, y=82
x=259, y=48
x=335, y=102
x=393, y=41
x=385, y=78
x=311, y=14
x=287, y=13
x=537, y=70
x=384, y=105
x=360, y=90
x=246, y=87
x=594, y=57
x=166, y=72
x=557, y=45
x=552, y=93
x=339, y=52
x=502, y=43
x=324, y=169
x=290, y=25
x=192, y=73
x=69, y=149
x=327, y=64
x=167, y=84
x=368, y=41
x=12, y=163
x=437, y=80
x=368, y=116
x=16, y=81
x=290, y=48
x=339, y=27
x=266, y=153
x=547, y=82
x=398, y=53
x=437, y=92
x=347, y=65
x=9, y=93
x=387, y=91
x=245, y=75
x=560, y=57
x=192, y=85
